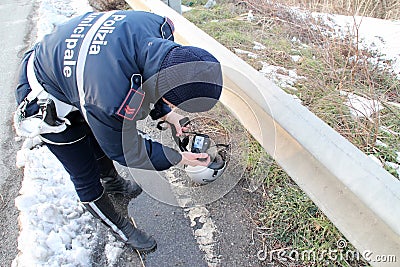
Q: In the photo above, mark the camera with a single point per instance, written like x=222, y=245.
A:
x=201, y=143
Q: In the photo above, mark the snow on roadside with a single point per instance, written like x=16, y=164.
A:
x=55, y=12
x=55, y=230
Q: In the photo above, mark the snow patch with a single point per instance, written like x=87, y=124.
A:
x=373, y=34
x=394, y=166
x=244, y=52
x=388, y=131
x=210, y=4
x=55, y=230
x=185, y=8
x=281, y=76
x=113, y=250
x=361, y=106
x=380, y=143
x=296, y=58
x=258, y=46
x=50, y=216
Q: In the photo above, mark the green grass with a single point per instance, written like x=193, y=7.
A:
x=224, y=28
x=298, y=225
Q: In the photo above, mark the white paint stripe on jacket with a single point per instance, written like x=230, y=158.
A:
x=81, y=61
x=34, y=84
x=63, y=109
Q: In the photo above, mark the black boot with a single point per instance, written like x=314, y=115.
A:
x=113, y=183
x=104, y=210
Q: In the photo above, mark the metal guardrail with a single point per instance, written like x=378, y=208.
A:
x=355, y=193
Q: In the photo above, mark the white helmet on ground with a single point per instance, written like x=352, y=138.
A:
x=204, y=175
x=201, y=143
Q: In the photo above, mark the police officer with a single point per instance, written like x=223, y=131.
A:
x=91, y=80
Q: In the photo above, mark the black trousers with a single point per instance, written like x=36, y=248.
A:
x=79, y=152
x=80, y=161
x=77, y=149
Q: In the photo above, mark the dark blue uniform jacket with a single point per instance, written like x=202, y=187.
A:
x=97, y=63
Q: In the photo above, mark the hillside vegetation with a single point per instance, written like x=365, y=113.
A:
x=274, y=35
x=383, y=9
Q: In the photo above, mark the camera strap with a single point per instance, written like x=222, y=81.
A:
x=182, y=143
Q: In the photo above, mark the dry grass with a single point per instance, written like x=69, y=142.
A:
x=333, y=66
x=213, y=128
x=385, y=9
x=107, y=5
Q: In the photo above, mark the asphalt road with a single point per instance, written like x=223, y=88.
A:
x=15, y=25
x=217, y=234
